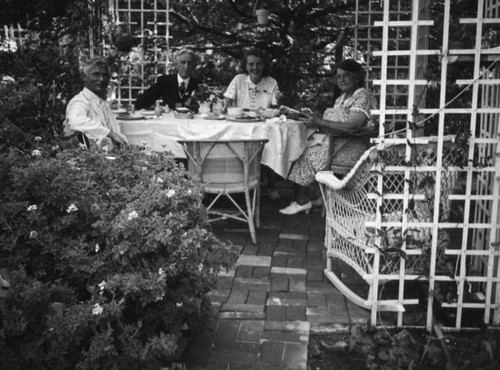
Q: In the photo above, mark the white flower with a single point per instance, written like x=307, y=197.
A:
x=72, y=208
x=200, y=267
x=32, y=208
x=189, y=192
x=159, y=180
x=179, y=304
x=132, y=215
x=97, y=309
x=7, y=80
x=8, y=46
x=38, y=138
x=160, y=297
x=170, y=193
x=33, y=234
x=102, y=285
x=97, y=248
x=161, y=271
x=36, y=153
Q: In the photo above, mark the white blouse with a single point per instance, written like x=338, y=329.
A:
x=246, y=94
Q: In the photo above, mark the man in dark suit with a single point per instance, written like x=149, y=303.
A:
x=173, y=88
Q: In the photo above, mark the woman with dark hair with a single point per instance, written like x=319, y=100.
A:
x=254, y=88
x=338, y=146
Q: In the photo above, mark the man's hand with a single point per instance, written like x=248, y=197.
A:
x=117, y=140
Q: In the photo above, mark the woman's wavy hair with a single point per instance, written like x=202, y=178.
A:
x=260, y=54
x=353, y=67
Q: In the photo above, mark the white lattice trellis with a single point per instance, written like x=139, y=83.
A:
x=147, y=22
x=394, y=33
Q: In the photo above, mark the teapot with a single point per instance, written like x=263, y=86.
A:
x=219, y=107
x=204, y=108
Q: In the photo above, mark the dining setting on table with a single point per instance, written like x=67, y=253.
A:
x=248, y=109
x=298, y=142
x=287, y=137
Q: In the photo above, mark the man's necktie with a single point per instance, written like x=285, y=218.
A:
x=182, y=88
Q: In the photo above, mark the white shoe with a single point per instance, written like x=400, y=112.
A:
x=295, y=208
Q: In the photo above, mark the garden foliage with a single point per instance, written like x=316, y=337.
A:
x=109, y=258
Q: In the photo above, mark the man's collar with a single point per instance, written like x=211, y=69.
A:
x=179, y=80
x=91, y=95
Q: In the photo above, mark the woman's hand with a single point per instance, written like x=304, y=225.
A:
x=311, y=120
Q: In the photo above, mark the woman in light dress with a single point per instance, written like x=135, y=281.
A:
x=254, y=88
x=336, y=147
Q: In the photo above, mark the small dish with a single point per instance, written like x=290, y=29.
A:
x=130, y=117
x=147, y=112
x=211, y=116
x=188, y=115
x=243, y=119
x=182, y=110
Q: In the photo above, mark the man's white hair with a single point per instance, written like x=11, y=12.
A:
x=94, y=62
x=186, y=51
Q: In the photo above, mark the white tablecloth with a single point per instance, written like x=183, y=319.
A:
x=286, y=139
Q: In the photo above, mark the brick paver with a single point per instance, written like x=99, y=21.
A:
x=265, y=308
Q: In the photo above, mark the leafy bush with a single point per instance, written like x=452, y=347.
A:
x=37, y=79
x=110, y=259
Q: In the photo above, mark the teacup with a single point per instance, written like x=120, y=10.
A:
x=235, y=112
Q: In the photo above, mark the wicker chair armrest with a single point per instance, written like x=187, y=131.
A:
x=329, y=179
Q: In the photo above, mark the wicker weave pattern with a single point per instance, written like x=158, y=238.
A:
x=225, y=168
x=352, y=205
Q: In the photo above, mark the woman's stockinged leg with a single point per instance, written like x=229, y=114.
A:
x=301, y=204
x=302, y=194
x=303, y=174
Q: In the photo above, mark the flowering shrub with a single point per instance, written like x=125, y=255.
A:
x=109, y=259
x=37, y=79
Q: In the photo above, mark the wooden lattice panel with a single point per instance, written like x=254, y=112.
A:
x=395, y=34
x=147, y=22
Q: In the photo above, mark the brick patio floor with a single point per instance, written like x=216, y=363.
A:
x=264, y=309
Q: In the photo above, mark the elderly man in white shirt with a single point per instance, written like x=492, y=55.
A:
x=89, y=113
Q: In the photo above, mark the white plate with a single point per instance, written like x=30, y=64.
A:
x=147, y=112
x=130, y=117
x=211, y=116
x=243, y=119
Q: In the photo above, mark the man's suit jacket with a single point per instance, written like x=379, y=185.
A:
x=165, y=88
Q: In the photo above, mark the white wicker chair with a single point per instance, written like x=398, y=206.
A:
x=367, y=193
x=225, y=168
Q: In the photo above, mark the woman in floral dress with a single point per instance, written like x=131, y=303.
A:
x=335, y=146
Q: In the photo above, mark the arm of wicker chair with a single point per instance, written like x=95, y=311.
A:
x=355, y=178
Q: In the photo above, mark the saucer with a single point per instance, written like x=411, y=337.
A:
x=243, y=119
x=130, y=117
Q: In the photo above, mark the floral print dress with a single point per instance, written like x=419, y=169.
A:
x=341, y=153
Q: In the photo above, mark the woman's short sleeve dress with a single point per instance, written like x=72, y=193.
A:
x=339, y=153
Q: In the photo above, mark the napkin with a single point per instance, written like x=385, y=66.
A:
x=278, y=120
